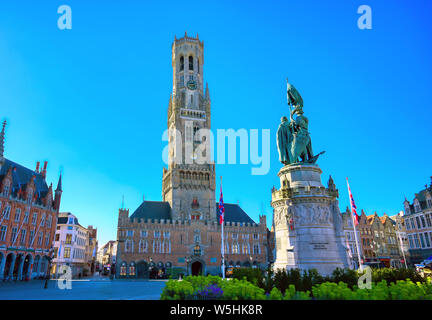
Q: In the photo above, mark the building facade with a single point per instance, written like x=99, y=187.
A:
x=401, y=237
x=391, y=242
x=366, y=239
x=107, y=256
x=418, y=224
x=71, y=246
x=92, y=248
x=28, y=216
x=183, y=230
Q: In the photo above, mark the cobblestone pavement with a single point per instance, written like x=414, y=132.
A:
x=84, y=289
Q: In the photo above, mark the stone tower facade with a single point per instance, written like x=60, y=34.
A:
x=189, y=182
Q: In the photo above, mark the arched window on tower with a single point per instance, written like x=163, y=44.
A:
x=190, y=63
x=198, y=66
x=181, y=63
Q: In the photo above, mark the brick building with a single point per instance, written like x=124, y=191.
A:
x=28, y=216
x=183, y=230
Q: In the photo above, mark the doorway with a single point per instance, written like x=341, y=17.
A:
x=196, y=268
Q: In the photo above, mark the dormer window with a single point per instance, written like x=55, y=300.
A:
x=6, y=190
x=417, y=206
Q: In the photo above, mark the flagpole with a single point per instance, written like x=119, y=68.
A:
x=222, y=239
x=402, y=249
x=355, y=230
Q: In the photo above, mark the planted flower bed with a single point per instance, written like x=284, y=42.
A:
x=215, y=288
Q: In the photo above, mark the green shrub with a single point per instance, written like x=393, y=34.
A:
x=332, y=291
x=348, y=276
x=275, y=294
x=285, y=287
x=292, y=294
x=391, y=275
x=174, y=272
x=241, y=290
x=253, y=275
x=177, y=290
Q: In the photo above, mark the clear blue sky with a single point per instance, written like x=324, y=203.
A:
x=93, y=100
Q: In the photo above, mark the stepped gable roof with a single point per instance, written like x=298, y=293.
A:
x=22, y=176
x=157, y=210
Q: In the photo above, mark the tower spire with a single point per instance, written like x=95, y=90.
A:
x=2, y=137
x=58, y=194
x=59, y=183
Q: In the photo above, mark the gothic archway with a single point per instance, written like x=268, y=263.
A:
x=28, y=264
x=9, y=264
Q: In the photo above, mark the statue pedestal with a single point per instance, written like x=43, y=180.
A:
x=307, y=221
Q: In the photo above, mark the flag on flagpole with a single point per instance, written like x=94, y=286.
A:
x=221, y=208
x=353, y=206
x=221, y=222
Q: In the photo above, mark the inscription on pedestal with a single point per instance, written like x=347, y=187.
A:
x=319, y=245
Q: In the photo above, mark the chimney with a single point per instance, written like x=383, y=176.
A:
x=43, y=172
x=37, y=166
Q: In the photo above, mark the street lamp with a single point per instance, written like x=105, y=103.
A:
x=187, y=260
x=49, y=258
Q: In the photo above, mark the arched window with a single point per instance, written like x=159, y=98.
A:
x=123, y=269
x=198, y=65
x=132, y=269
x=190, y=63
x=181, y=63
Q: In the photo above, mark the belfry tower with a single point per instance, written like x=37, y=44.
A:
x=189, y=182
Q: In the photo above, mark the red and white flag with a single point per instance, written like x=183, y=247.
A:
x=353, y=206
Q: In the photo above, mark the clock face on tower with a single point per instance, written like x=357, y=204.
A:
x=191, y=85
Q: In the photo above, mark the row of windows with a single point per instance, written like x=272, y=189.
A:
x=144, y=233
x=6, y=216
x=158, y=246
x=23, y=236
x=419, y=222
x=76, y=253
x=420, y=240
x=191, y=64
x=245, y=248
x=167, y=234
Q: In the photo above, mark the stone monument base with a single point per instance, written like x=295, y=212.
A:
x=307, y=221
